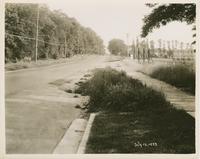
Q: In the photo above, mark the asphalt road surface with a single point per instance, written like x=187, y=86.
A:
x=37, y=112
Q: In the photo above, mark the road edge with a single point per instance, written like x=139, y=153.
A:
x=72, y=137
x=83, y=143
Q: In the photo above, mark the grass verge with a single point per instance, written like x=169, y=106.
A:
x=177, y=75
x=134, y=118
x=142, y=132
x=40, y=63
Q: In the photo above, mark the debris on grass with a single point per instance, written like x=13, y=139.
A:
x=78, y=106
x=87, y=75
x=68, y=91
x=79, y=83
x=83, y=79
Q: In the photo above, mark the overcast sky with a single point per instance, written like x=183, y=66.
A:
x=115, y=18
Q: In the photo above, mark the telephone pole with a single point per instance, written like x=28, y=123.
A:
x=65, y=47
x=127, y=38
x=36, y=41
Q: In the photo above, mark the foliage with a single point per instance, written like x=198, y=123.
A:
x=59, y=35
x=117, y=47
x=151, y=5
x=110, y=90
x=163, y=14
x=178, y=75
x=130, y=112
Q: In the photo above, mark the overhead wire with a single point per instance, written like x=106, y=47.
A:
x=31, y=38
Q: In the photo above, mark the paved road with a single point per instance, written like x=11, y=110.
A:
x=17, y=81
x=38, y=113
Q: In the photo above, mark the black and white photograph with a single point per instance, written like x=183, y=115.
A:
x=100, y=77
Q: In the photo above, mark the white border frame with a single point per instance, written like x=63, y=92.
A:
x=97, y=156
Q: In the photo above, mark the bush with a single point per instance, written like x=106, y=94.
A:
x=132, y=112
x=110, y=90
x=179, y=76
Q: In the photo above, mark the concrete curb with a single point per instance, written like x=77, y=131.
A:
x=70, y=141
x=82, y=146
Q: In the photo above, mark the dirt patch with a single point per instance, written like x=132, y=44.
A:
x=69, y=91
x=60, y=82
x=87, y=75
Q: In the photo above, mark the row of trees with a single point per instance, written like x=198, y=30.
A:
x=163, y=49
x=58, y=34
x=161, y=15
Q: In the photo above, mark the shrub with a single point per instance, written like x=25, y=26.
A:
x=111, y=90
x=132, y=112
x=179, y=76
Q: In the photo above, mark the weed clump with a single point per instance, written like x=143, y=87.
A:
x=179, y=76
x=69, y=91
x=111, y=90
x=130, y=113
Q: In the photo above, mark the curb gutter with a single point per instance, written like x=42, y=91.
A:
x=82, y=146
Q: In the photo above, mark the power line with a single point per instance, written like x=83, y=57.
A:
x=56, y=44
x=19, y=36
x=21, y=22
x=24, y=37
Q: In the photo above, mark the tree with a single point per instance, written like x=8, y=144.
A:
x=58, y=34
x=117, y=47
x=163, y=14
x=19, y=21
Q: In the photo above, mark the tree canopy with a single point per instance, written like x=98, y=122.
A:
x=117, y=47
x=58, y=34
x=165, y=13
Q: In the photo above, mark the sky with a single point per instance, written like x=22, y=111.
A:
x=117, y=18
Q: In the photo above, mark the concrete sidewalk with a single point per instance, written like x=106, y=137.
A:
x=178, y=98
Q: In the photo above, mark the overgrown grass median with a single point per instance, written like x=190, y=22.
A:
x=134, y=118
x=179, y=76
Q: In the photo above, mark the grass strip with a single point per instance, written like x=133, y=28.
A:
x=179, y=76
x=142, y=132
x=151, y=121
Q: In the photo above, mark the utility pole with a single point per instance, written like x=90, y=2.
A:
x=127, y=36
x=36, y=41
x=65, y=47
